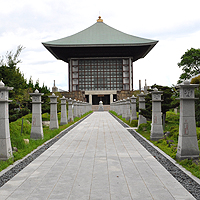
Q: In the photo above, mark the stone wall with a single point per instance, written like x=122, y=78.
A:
x=78, y=95
x=124, y=94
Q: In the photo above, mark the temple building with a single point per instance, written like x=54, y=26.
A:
x=100, y=60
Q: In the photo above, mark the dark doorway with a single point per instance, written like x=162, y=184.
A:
x=87, y=98
x=114, y=97
x=104, y=98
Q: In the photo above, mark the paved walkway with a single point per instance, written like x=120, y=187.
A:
x=98, y=159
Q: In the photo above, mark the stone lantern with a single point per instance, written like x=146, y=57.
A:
x=187, y=140
x=63, y=119
x=53, y=112
x=70, y=110
x=133, y=108
x=100, y=106
x=128, y=114
x=5, y=144
x=142, y=119
x=156, y=126
x=75, y=108
x=78, y=109
x=36, y=128
x=124, y=113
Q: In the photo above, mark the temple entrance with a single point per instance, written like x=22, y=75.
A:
x=87, y=98
x=104, y=98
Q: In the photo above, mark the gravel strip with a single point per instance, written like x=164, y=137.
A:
x=21, y=165
x=186, y=181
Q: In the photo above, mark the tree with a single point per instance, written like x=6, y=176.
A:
x=12, y=77
x=11, y=74
x=45, y=99
x=190, y=63
x=168, y=102
x=196, y=80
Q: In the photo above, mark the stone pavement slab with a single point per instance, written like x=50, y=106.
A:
x=97, y=159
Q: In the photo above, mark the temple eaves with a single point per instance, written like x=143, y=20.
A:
x=100, y=40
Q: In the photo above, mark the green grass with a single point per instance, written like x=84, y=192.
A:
x=169, y=144
x=17, y=138
x=132, y=123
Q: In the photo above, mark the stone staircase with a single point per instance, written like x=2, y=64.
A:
x=96, y=107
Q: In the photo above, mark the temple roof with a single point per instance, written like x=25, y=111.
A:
x=98, y=35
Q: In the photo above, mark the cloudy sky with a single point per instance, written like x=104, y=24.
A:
x=175, y=23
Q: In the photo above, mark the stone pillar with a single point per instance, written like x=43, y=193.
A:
x=114, y=104
x=90, y=99
x=81, y=108
x=75, y=108
x=63, y=119
x=90, y=107
x=140, y=87
x=84, y=107
x=117, y=107
x=53, y=112
x=111, y=98
x=70, y=111
x=111, y=106
x=87, y=107
x=145, y=87
x=78, y=109
x=133, y=108
x=5, y=144
x=156, y=126
x=120, y=107
x=54, y=88
x=187, y=140
x=142, y=119
x=114, y=108
x=36, y=128
x=128, y=114
x=124, y=109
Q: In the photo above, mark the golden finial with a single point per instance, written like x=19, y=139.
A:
x=99, y=20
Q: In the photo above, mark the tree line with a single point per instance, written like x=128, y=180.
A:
x=11, y=76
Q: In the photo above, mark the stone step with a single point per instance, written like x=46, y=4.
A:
x=96, y=107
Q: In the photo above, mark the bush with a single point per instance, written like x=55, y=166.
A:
x=17, y=138
x=144, y=127
x=174, y=132
x=198, y=133
x=134, y=123
x=172, y=117
x=46, y=117
x=191, y=166
x=28, y=117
